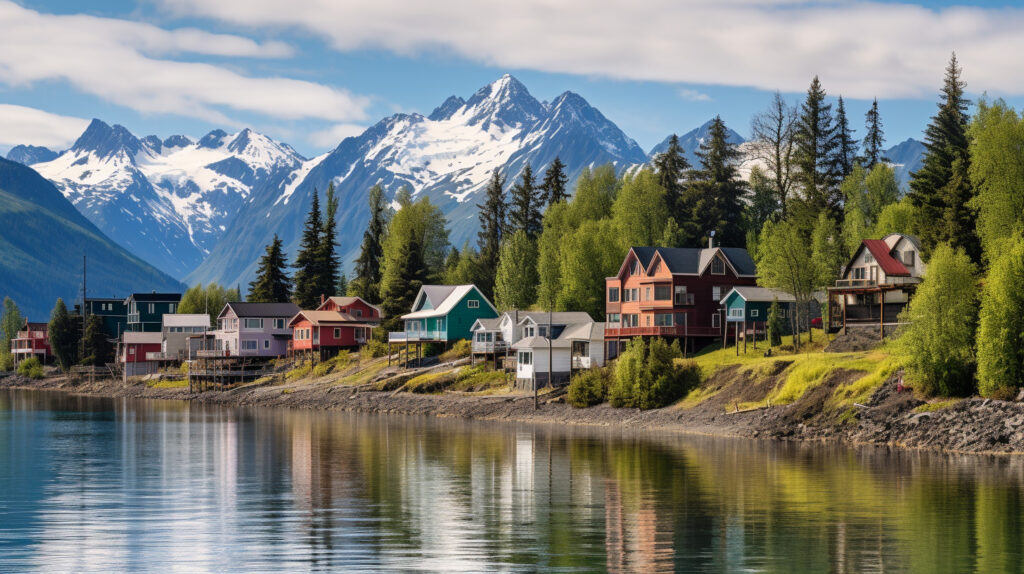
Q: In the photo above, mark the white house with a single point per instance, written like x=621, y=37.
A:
x=497, y=335
x=551, y=352
x=183, y=335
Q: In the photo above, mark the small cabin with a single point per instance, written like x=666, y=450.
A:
x=549, y=353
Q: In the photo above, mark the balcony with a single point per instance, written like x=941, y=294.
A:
x=869, y=283
x=489, y=347
x=417, y=336
x=673, y=331
x=160, y=356
x=211, y=353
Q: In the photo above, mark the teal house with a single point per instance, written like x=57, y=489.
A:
x=146, y=311
x=749, y=305
x=113, y=313
x=444, y=314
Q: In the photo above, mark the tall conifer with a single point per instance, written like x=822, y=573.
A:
x=400, y=288
x=815, y=142
x=524, y=209
x=272, y=284
x=671, y=166
x=717, y=189
x=845, y=146
x=554, y=184
x=308, y=260
x=875, y=137
x=367, y=280
x=492, y=228
x=330, y=262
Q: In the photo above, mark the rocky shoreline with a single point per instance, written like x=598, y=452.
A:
x=974, y=426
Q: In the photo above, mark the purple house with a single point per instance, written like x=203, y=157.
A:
x=254, y=329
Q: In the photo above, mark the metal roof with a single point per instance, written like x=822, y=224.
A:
x=243, y=310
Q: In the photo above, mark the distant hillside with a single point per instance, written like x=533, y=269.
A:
x=42, y=241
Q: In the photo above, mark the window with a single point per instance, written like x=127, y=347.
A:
x=717, y=266
x=152, y=308
x=858, y=273
x=908, y=258
x=634, y=267
x=630, y=320
x=647, y=294
x=543, y=329
x=266, y=343
x=528, y=331
x=525, y=357
x=358, y=313
x=337, y=333
x=249, y=345
x=253, y=323
x=171, y=308
x=473, y=303
x=613, y=294
x=648, y=320
x=753, y=313
x=716, y=321
x=663, y=319
x=636, y=294
x=716, y=293
x=736, y=313
x=612, y=318
x=682, y=297
x=662, y=292
x=654, y=270
x=868, y=258
x=626, y=296
x=279, y=323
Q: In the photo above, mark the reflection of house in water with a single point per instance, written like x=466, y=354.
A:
x=637, y=539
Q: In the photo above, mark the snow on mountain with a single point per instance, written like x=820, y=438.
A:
x=168, y=201
x=447, y=156
x=906, y=158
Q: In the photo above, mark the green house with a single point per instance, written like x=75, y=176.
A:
x=146, y=311
x=444, y=313
x=750, y=305
x=113, y=313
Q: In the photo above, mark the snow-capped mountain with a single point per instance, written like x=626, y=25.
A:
x=447, y=156
x=168, y=201
x=691, y=140
x=906, y=158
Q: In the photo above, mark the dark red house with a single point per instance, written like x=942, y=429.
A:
x=339, y=323
x=672, y=292
x=357, y=307
x=32, y=341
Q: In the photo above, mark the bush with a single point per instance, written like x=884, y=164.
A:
x=590, y=387
x=460, y=349
x=374, y=348
x=650, y=376
x=6, y=362
x=1001, y=329
x=31, y=368
x=299, y=372
x=337, y=362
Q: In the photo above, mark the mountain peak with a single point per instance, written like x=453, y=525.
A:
x=213, y=139
x=105, y=140
x=504, y=101
x=445, y=110
x=30, y=154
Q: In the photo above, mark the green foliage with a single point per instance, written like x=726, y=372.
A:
x=596, y=190
x=463, y=268
x=648, y=376
x=31, y=368
x=300, y=371
x=874, y=139
x=827, y=255
x=554, y=183
x=549, y=248
x=459, y=350
x=210, y=300
x=997, y=170
x=97, y=351
x=525, y=205
x=11, y=321
x=424, y=221
x=588, y=255
x=374, y=348
x=329, y=263
x=784, y=262
x=764, y=200
x=1001, y=328
x=6, y=362
x=775, y=324
x=899, y=217
x=63, y=337
x=307, y=260
x=402, y=279
x=714, y=197
x=492, y=229
x=671, y=167
x=845, y=144
x=814, y=158
x=590, y=387
x=368, y=266
x=516, y=281
x=272, y=283
x=335, y=363
x=942, y=316
x=640, y=212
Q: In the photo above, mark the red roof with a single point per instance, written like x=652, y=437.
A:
x=880, y=250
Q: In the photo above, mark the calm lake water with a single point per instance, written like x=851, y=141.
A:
x=116, y=485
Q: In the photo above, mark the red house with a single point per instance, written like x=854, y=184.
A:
x=673, y=293
x=339, y=323
x=357, y=307
x=135, y=352
x=32, y=341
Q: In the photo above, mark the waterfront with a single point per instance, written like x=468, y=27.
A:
x=103, y=484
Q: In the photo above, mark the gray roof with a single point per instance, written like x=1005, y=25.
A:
x=557, y=318
x=436, y=294
x=488, y=324
x=691, y=260
x=287, y=310
x=761, y=294
x=589, y=331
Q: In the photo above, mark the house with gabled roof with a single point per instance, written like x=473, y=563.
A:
x=552, y=349
x=254, y=329
x=444, y=314
x=355, y=307
x=497, y=335
x=877, y=283
x=673, y=292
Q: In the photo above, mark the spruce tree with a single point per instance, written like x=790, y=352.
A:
x=330, y=263
x=492, y=227
x=940, y=189
x=718, y=190
x=368, y=265
x=272, y=284
x=671, y=166
x=400, y=288
x=62, y=336
x=524, y=209
x=554, y=184
x=97, y=350
x=845, y=146
x=341, y=289
x=874, y=139
x=10, y=323
x=308, y=260
x=813, y=156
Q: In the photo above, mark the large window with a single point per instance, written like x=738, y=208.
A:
x=630, y=320
x=858, y=273
x=736, y=313
x=662, y=319
x=613, y=294
x=682, y=297
x=253, y=324
x=662, y=292
x=525, y=357
x=279, y=323
x=717, y=266
x=249, y=345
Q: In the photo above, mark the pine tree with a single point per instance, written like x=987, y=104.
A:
x=874, y=139
x=272, y=284
x=718, y=190
x=308, y=260
x=342, y=288
x=813, y=156
x=671, y=166
x=62, y=336
x=845, y=147
x=97, y=350
x=368, y=265
x=400, y=288
x=330, y=263
x=554, y=184
x=524, y=209
x=492, y=227
x=940, y=189
x=10, y=323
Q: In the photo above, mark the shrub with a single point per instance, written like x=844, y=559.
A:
x=6, y=362
x=299, y=372
x=460, y=349
x=1001, y=329
x=590, y=387
x=337, y=362
x=650, y=376
x=31, y=368
x=375, y=348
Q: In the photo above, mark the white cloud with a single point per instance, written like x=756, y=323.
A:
x=693, y=95
x=860, y=49
x=333, y=135
x=22, y=125
x=123, y=62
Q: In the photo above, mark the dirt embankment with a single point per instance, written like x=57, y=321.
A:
x=888, y=418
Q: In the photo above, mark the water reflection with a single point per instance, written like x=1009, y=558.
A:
x=101, y=485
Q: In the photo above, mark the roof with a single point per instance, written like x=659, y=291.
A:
x=487, y=324
x=880, y=250
x=30, y=326
x=452, y=295
x=156, y=297
x=693, y=260
x=557, y=318
x=893, y=239
x=187, y=320
x=318, y=318
x=243, y=310
x=761, y=294
x=591, y=331
x=133, y=338
x=346, y=301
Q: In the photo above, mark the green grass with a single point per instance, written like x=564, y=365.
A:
x=364, y=374
x=936, y=406
x=479, y=377
x=172, y=384
x=299, y=372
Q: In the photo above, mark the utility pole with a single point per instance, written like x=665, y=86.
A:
x=85, y=310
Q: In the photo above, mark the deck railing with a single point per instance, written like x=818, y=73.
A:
x=416, y=336
x=490, y=346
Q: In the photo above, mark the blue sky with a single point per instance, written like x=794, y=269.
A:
x=312, y=73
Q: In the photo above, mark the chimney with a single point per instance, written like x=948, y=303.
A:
x=321, y=298
x=711, y=242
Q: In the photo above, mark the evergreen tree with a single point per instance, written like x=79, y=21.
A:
x=492, y=228
x=718, y=190
x=554, y=183
x=97, y=350
x=940, y=189
x=1001, y=329
x=450, y=266
x=63, y=337
x=516, y=280
x=874, y=139
x=671, y=166
x=10, y=323
x=775, y=324
x=400, y=288
x=308, y=262
x=845, y=147
x=426, y=221
x=272, y=284
x=368, y=265
x=524, y=209
x=764, y=201
x=814, y=155
x=330, y=263
x=342, y=287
